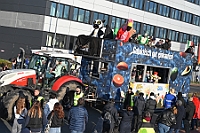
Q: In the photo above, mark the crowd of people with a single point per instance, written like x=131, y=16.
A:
x=38, y=116
x=137, y=116
x=178, y=113
x=152, y=41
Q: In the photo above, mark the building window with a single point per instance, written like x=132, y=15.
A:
x=173, y=35
x=60, y=40
x=81, y=15
x=148, y=29
x=59, y=10
x=187, y=17
x=164, y=10
x=151, y=6
x=101, y=17
x=138, y=4
x=117, y=22
x=53, y=9
x=123, y=2
x=137, y=26
x=194, y=1
x=161, y=32
x=66, y=12
x=176, y=14
x=196, y=20
x=72, y=42
x=195, y=39
x=197, y=2
x=184, y=37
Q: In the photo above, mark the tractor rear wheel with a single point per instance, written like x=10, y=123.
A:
x=9, y=100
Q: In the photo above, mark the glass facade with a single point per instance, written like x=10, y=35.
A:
x=164, y=10
x=66, y=12
x=53, y=9
x=59, y=13
x=148, y=29
x=175, y=14
x=173, y=35
x=138, y=4
x=151, y=7
x=86, y=16
x=101, y=16
x=197, y=2
x=161, y=32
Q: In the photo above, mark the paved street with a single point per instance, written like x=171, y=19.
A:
x=5, y=127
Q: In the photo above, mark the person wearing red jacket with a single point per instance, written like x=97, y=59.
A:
x=195, y=120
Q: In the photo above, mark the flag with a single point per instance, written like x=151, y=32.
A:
x=198, y=53
x=189, y=44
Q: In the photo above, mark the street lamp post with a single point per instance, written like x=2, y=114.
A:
x=55, y=33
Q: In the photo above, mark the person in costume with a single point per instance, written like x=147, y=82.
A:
x=143, y=39
x=156, y=77
x=126, y=31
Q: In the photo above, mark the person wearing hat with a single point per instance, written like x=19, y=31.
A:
x=78, y=94
x=146, y=126
x=50, y=104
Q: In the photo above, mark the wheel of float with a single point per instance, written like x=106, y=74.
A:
x=67, y=89
x=9, y=101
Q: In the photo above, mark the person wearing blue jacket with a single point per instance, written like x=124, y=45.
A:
x=170, y=99
x=78, y=117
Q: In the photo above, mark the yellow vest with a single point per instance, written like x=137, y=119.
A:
x=146, y=129
x=76, y=97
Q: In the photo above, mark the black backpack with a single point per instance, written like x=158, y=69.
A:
x=107, y=119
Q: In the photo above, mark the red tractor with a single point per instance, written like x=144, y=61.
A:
x=41, y=72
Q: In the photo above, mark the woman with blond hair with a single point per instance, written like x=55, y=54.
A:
x=57, y=116
x=20, y=112
x=35, y=120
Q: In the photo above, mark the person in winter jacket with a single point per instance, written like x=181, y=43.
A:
x=57, y=116
x=78, y=94
x=20, y=112
x=190, y=109
x=179, y=117
x=78, y=117
x=35, y=120
x=138, y=109
x=126, y=121
x=180, y=97
x=167, y=44
x=195, y=119
x=50, y=105
x=166, y=119
x=129, y=98
x=151, y=103
x=38, y=97
x=109, y=107
x=146, y=126
x=169, y=99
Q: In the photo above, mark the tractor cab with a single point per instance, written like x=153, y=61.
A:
x=49, y=66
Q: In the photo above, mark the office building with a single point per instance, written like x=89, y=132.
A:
x=31, y=24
